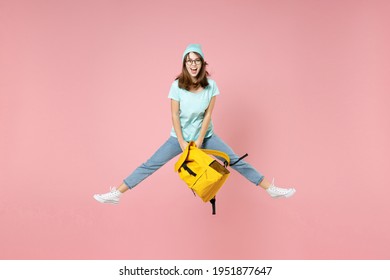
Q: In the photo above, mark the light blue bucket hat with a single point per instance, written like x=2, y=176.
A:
x=193, y=48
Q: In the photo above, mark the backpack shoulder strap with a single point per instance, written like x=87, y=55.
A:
x=218, y=154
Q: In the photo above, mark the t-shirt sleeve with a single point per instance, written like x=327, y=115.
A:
x=174, y=92
x=214, y=89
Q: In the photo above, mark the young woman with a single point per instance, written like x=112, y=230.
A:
x=193, y=97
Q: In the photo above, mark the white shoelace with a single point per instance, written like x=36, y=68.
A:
x=278, y=190
x=110, y=194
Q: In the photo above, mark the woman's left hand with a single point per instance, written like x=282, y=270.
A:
x=198, y=143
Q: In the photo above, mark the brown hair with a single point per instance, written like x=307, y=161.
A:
x=185, y=79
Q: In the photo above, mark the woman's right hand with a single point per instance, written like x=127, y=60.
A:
x=183, y=144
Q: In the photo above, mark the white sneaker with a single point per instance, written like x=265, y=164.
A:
x=111, y=197
x=277, y=192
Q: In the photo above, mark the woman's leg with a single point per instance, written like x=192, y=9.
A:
x=165, y=153
x=245, y=169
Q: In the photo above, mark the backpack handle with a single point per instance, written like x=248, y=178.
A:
x=192, y=145
x=220, y=154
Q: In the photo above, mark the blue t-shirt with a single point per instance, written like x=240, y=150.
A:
x=192, y=109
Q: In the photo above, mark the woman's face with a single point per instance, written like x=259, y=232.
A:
x=193, y=64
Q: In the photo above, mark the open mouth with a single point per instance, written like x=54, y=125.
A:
x=194, y=70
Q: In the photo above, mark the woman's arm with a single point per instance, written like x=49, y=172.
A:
x=206, y=122
x=175, y=111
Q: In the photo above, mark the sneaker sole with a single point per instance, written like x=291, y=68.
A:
x=97, y=198
x=290, y=194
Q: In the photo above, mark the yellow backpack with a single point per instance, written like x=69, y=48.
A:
x=203, y=174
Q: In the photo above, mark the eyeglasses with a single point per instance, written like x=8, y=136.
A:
x=196, y=61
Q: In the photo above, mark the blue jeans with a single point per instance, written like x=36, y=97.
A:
x=171, y=148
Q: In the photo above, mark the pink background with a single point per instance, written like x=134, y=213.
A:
x=83, y=101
